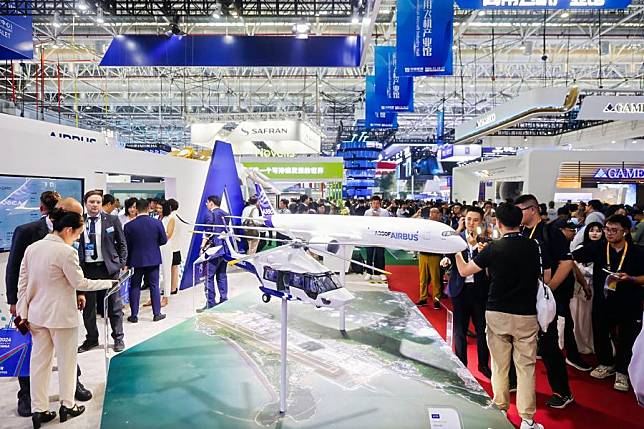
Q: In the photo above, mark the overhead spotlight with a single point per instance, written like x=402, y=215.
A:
x=216, y=11
x=100, y=19
x=82, y=6
x=56, y=21
x=565, y=15
x=301, y=30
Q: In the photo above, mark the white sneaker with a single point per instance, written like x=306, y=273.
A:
x=602, y=371
x=530, y=425
x=367, y=277
x=621, y=382
x=383, y=277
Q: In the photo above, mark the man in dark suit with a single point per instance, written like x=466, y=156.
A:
x=102, y=254
x=469, y=295
x=144, y=236
x=23, y=236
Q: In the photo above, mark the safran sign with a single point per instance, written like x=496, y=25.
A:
x=620, y=173
x=624, y=108
x=542, y=4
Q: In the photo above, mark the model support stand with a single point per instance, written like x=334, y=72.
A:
x=283, y=352
x=343, y=282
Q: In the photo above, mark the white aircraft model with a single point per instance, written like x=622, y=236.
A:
x=370, y=231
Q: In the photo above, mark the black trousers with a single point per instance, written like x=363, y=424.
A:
x=24, y=394
x=376, y=258
x=98, y=271
x=470, y=303
x=612, y=320
x=553, y=359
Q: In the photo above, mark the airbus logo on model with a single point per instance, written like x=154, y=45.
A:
x=398, y=235
x=486, y=120
x=72, y=137
x=264, y=131
x=624, y=108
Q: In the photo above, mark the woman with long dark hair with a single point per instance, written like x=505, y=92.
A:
x=49, y=278
x=581, y=304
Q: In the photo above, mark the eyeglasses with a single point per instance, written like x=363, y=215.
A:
x=526, y=208
x=613, y=230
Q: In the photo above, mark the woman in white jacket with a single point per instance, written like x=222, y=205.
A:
x=49, y=278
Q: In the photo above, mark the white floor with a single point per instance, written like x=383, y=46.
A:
x=92, y=363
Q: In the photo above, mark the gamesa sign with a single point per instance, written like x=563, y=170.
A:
x=620, y=173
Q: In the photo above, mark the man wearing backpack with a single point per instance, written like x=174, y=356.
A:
x=556, y=256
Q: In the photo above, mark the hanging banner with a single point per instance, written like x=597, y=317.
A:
x=374, y=118
x=440, y=127
x=216, y=50
x=424, y=36
x=542, y=4
x=16, y=36
x=395, y=93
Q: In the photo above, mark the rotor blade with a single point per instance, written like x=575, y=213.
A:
x=350, y=260
x=207, y=225
x=238, y=260
x=250, y=237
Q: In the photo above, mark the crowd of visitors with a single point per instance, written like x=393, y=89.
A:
x=588, y=254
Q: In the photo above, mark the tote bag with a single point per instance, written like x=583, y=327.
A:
x=546, y=304
x=15, y=352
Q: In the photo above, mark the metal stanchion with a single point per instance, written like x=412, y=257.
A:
x=106, y=314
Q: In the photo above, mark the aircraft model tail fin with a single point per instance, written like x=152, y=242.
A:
x=265, y=205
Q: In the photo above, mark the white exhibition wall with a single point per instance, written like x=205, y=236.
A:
x=28, y=148
x=536, y=168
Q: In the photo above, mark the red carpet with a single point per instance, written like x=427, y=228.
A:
x=597, y=405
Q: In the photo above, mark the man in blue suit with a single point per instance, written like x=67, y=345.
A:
x=469, y=295
x=216, y=264
x=144, y=236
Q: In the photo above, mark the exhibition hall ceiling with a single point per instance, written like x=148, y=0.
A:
x=496, y=57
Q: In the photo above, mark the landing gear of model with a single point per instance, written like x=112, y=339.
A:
x=266, y=297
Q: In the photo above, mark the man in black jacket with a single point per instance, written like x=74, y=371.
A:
x=102, y=253
x=23, y=237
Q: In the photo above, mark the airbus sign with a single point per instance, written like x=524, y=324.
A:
x=620, y=173
x=72, y=137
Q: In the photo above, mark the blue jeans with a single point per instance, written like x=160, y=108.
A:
x=216, y=267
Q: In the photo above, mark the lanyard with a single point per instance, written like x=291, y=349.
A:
x=621, y=262
x=533, y=230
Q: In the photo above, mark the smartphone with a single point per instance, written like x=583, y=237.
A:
x=22, y=325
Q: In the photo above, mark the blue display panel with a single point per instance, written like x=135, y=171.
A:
x=393, y=93
x=233, y=51
x=424, y=35
x=542, y=4
x=20, y=200
x=374, y=118
x=16, y=35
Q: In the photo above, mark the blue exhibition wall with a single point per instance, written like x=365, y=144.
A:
x=222, y=180
x=233, y=51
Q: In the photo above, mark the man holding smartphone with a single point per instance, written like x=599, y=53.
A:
x=618, y=276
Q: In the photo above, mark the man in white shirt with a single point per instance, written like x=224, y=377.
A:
x=376, y=255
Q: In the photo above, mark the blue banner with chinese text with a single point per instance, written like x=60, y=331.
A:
x=542, y=4
x=374, y=117
x=424, y=36
x=16, y=35
x=394, y=93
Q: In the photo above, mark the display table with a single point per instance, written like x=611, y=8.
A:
x=220, y=369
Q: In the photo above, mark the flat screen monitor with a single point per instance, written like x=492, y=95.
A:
x=20, y=200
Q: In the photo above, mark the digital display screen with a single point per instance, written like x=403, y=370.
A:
x=20, y=200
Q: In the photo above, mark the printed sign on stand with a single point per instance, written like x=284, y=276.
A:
x=394, y=93
x=424, y=36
